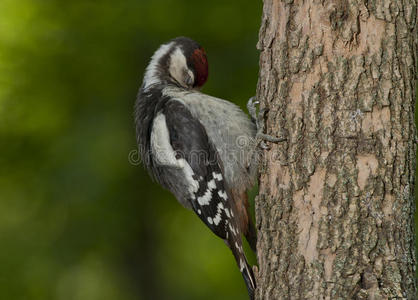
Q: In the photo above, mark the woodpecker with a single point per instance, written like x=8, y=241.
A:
x=201, y=148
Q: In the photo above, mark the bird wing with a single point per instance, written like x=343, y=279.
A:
x=209, y=194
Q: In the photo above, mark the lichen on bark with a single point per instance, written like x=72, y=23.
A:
x=336, y=202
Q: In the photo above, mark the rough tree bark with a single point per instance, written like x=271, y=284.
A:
x=336, y=201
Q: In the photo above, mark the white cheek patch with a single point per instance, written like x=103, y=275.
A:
x=151, y=74
x=178, y=67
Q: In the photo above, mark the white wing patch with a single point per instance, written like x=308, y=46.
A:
x=188, y=174
x=223, y=195
x=219, y=209
x=205, y=199
x=164, y=154
x=212, y=184
x=217, y=176
x=161, y=148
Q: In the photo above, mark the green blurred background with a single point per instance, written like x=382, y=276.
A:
x=77, y=220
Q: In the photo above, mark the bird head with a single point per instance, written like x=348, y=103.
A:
x=181, y=62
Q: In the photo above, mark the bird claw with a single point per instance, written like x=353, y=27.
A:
x=252, y=109
x=258, y=119
x=270, y=138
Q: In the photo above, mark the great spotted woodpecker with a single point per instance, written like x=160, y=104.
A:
x=199, y=147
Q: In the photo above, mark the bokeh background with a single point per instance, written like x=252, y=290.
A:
x=78, y=220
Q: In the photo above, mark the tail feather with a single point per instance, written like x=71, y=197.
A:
x=234, y=242
x=249, y=279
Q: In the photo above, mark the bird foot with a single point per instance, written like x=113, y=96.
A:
x=258, y=119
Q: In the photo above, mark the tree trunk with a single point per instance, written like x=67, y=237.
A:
x=336, y=203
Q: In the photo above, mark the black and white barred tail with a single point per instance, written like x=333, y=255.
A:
x=249, y=279
x=234, y=242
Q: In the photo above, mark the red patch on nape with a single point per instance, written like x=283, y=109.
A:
x=201, y=67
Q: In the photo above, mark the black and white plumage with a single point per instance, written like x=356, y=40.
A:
x=199, y=147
